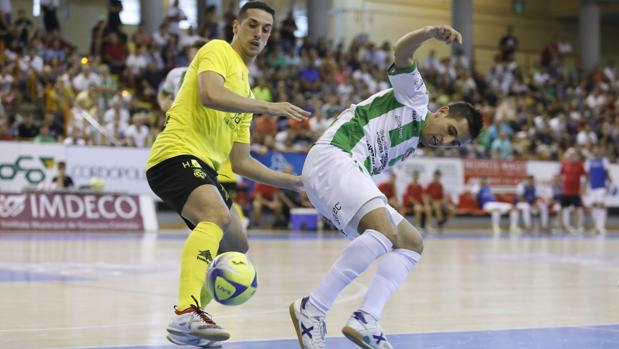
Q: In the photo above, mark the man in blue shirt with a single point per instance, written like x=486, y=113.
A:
x=488, y=203
x=599, y=182
x=529, y=200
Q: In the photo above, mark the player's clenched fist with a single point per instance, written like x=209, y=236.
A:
x=446, y=34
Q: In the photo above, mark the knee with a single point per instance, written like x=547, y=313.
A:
x=413, y=243
x=220, y=217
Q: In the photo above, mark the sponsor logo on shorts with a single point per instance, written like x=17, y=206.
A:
x=198, y=173
x=336, y=211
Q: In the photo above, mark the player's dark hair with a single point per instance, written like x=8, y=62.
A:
x=255, y=5
x=473, y=116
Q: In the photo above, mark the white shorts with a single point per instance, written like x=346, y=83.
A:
x=339, y=186
x=597, y=195
x=502, y=207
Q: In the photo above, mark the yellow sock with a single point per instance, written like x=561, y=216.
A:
x=199, y=251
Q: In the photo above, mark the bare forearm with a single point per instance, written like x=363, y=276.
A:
x=407, y=44
x=253, y=169
x=220, y=98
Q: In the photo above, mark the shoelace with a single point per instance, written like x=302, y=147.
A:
x=322, y=328
x=206, y=317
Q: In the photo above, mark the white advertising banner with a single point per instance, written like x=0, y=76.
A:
x=28, y=165
x=123, y=170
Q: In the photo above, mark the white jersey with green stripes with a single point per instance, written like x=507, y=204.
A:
x=173, y=81
x=384, y=129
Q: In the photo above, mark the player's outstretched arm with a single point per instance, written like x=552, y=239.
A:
x=245, y=165
x=215, y=95
x=406, y=45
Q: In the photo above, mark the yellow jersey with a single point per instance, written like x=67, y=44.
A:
x=193, y=129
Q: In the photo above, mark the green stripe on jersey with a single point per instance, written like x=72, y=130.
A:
x=406, y=132
x=349, y=134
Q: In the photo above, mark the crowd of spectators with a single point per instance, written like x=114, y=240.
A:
x=50, y=92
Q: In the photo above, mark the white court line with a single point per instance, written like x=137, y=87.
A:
x=361, y=289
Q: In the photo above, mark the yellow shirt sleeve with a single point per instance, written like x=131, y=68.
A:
x=213, y=58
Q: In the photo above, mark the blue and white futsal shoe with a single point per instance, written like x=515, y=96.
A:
x=365, y=331
x=309, y=323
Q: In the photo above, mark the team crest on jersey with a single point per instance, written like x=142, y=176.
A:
x=233, y=120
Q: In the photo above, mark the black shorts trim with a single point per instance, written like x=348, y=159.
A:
x=571, y=200
x=175, y=178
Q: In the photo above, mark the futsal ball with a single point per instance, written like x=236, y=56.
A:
x=231, y=278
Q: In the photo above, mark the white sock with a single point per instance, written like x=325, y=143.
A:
x=526, y=214
x=566, y=217
x=355, y=258
x=603, y=215
x=581, y=217
x=543, y=213
x=496, y=218
x=513, y=218
x=595, y=215
x=392, y=271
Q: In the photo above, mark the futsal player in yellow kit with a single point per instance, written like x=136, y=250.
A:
x=207, y=124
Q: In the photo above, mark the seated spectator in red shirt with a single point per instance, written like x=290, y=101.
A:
x=264, y=196
x=437, y=201
x=388, y=188
x=412, y=201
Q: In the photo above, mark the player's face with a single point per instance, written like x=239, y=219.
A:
x=440, y=130
x=254, y=31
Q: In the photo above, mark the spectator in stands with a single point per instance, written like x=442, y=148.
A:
x=54, y=126
x=117, y=111
x=114, y=53
x=529, y=200
x=23, y=25
x=210, y=26
x=62, y=180
x=113, y=22
x=137, y=132
x=389, y=190
x=163, y=35
x=264, y=196
x=413, y=202
x=85, y=79
x=508, y=45
x=502, y=147
x=140, y=37
x=26, y=128
x=174, y=17
x=286, y=32
x=572, y=172
x=437, y=202
x=488, y=203
x=50, y=19
x=44, y=136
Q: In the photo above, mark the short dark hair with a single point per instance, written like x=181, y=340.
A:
x=255, y=5
x=473, y=116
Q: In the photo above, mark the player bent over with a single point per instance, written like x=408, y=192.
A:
x=365, y=140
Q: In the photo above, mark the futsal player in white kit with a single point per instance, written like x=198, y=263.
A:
x=365, y=140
